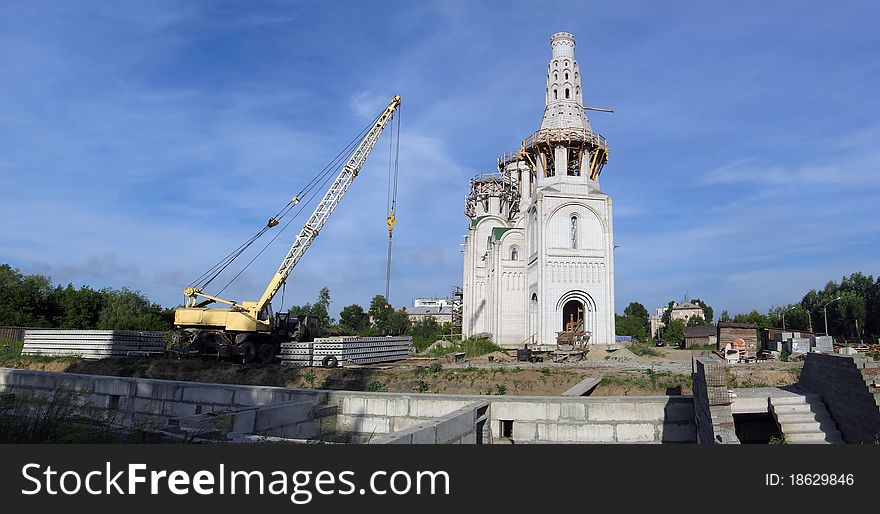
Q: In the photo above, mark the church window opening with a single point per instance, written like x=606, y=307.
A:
x=566, y=75
x=555, y=96
x=555, y=76
x=574, y=231
x=514, y=254
x=566, y=93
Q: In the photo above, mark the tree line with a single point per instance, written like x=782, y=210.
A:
x=33, y=301
x=852, y=306
x=378, y=320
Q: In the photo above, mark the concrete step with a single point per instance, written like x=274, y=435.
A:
x=813, y=438
x=807, y=427
x=799, y=409
x=806, y=417
x=795, y=400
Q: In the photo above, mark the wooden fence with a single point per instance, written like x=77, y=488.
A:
x=13, y=333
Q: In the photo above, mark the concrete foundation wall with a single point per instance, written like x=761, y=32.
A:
x=364, y=416
x=845, y=384
x=461, y=426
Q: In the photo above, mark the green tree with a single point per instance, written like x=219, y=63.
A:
x=708, y=312
x=26, y=300
x=125, y=309
x=696, y=321
x=753, y=317
x=724, y=316
x=320, y=309
x=633, y=326
x=79, y=308
x=354, y=319
x=674, y=333
x=638, y=312
x=667, y=313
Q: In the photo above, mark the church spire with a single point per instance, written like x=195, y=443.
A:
x=564, y=98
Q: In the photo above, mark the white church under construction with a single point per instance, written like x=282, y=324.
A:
x=539, y=251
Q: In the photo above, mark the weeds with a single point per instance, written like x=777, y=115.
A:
x=421, y=387
x=377, y=386
x=309, y=378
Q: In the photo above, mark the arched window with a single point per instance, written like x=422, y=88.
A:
x=566, y=93
x=514, y=254
x=555, y=76
x=555, y=96
x=566, y=75
x=574, y=231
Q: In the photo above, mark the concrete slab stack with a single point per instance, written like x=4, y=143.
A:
x=327, y=351
x=92, y=344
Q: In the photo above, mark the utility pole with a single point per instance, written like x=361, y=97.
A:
x=825, y=310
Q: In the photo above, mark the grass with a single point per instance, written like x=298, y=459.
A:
x=377, y=386
x=650, y=380
x=643, y=349
x=10, y=349
x=471, y=347
x=62, y=418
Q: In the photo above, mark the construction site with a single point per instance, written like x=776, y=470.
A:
x=538, y=284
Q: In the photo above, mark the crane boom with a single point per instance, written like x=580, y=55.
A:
x=327, y=205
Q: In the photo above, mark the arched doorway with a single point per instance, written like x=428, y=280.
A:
x=573, y=315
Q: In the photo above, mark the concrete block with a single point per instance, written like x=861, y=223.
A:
x=427, y=407
x=404, y=422
x=354, y=405
x=572, y=411
x=387, y=406
x=525, y=431
x=364, y=424
x=635, y=433
x=158, y=391
x=144, y=405
x=208, y=394
x=178, y=409
x=115, y=386
x=595, y=433
x=627, y=411
x=530, y=411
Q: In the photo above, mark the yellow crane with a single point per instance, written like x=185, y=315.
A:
x=248, y=329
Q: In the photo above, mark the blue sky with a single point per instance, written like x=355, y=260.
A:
x=142, y=141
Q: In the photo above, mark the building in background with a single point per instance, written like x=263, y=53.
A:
x=700, y=335
x=683, y=311
x=441, y=309
x=539, y=251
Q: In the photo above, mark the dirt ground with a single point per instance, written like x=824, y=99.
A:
x=622, y=372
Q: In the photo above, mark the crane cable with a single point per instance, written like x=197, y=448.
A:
x=393, y=168
x=311, y=189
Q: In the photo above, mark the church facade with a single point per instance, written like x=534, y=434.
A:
x=539, y=251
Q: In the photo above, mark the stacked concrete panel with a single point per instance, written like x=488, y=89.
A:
x=326, y=351
x=92, y=344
